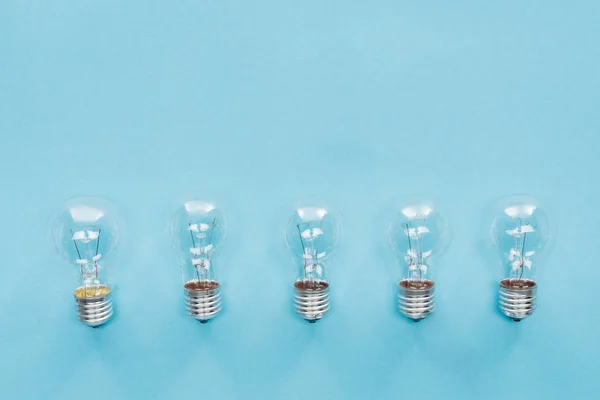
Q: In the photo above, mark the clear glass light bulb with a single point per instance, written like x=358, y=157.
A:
x=418, y=234
x=85, y=232
x=312, y=235
x=197, y=228
x=522, y=233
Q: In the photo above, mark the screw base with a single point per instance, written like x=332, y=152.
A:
x=202, y=299
x=311, y=299
x=517, y=298
x=416, y=298
x=94, y=311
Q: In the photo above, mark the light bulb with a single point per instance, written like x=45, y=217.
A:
x=312, y=235
x=84, y=232
x=197, y=229
x=522, y=233
x=418, y=234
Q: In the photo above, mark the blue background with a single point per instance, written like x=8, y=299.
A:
x=259, y=104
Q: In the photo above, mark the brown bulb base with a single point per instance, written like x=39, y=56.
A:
x=202, y=299
x=517, y=298
x=416, y=298
x=311, y=299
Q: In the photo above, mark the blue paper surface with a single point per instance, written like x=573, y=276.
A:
x=260, y=104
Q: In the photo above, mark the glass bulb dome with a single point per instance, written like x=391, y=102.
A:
x=418, y=234
x=312, y=235
x=522, y=233
x=197, y=229
x=84, y=233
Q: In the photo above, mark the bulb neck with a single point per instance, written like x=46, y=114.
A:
x=199, y=269
x=94, y=305
x=311, y=299
x=517, y=298
x=416, y=298
x=202, y=299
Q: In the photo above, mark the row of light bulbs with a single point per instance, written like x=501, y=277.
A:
x=85, y=232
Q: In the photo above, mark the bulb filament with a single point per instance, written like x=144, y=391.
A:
x=310, y=240
x=518, y=251
x=88, y=274
x=415, y=245
x=201, y=258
